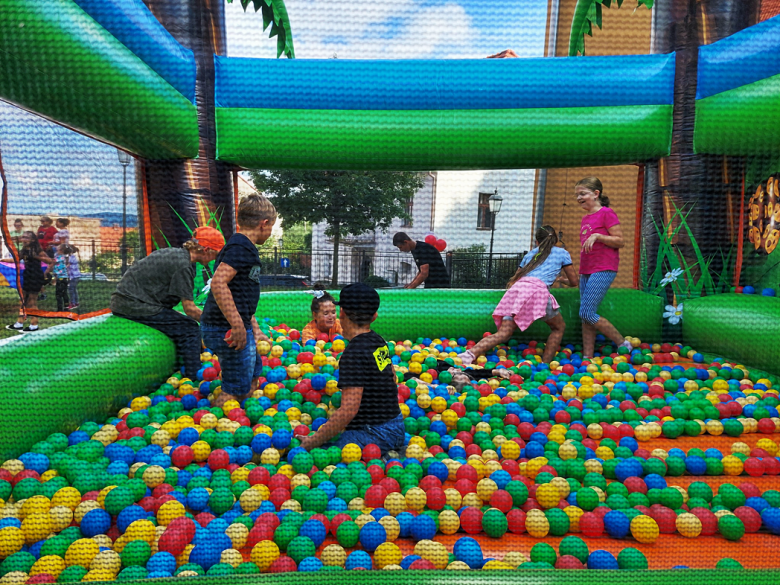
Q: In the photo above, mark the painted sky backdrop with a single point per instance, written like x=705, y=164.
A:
x=55, y=171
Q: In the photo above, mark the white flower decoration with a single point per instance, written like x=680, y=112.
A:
x=671, y=276
x=674, y=314
x=206, y=288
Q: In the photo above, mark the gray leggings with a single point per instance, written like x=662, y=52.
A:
x=73, y=291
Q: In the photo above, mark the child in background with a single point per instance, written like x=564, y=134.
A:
x=369, y=411
x=529, y=298
x=324, y=321
x=32, y=279
x=60, y=270
x=74, y=275
x=228, y=324
x=63, y=234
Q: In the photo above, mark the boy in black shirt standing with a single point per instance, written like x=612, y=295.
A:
x=369, y=411
x=430, y=266
x=228, y=323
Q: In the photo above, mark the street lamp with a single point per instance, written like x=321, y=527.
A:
x=124, y=160
x=494, y=206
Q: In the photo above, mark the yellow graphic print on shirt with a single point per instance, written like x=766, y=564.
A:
x=382, y=357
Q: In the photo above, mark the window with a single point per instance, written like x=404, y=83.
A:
x=409, y=208
x=484, y=217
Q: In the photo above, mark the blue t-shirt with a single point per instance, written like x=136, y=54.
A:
x=549, y=270
x=241, y=255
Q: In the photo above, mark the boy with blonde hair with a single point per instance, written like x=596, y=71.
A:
x=228, y=323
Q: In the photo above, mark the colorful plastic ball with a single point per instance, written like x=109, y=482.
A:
x=632, y=559
x=266, y=552
x=617, y=524
x=95, y=522
x=542, y=552
x=601, y=559
x=688, y=525
x=494, y=523
x=283, y=564
x=644, y=529
x=372, y=534
x=310, y=565
x=467, y=550
x=387, y=554
x=591, y=524
x=423, y=528
x=731, y=527
x=300, y=548
x=471, y=520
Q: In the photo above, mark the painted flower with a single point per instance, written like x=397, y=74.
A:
x=206, y=288
x=674, y=314
x=671, y=276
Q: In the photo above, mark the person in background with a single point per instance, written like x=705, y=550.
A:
x=601, y=238
x=63, y=234
x=74, y=275
x=46, y=233
x=60, y=270
x=324, y=321
x=369, y=411
x=229, y=326
x=16, y=235
x=32, y=279
x=152, y=286
x=430, y=266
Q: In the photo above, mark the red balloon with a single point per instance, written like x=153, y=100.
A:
x=471, y=520
x=568, y=562
x=516, y=521
x=591, y=524
x=750, y=518
x=440, y=245
x=501, y=500
x=430, y=239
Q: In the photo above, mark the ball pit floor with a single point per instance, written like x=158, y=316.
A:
x=136, y=426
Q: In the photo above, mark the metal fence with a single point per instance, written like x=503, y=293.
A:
x=467, y=270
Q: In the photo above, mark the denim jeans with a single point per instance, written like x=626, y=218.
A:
x=387, y=436
x=183, y=331
x=238, y=367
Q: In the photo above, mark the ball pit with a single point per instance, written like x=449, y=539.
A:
x=174, y=486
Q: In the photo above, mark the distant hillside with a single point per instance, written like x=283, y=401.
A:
x=109, y=218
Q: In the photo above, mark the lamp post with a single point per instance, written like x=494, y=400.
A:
x=494, y=206
x=124, y=160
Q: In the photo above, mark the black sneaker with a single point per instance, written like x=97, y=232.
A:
x=12, y=328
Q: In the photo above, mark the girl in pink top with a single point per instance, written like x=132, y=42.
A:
x=601, y=238
x=528, y=297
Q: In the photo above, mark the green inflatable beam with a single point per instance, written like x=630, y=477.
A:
x=737, y=327
x=57, y=378
x=442, y=139
x=409, y=314
x=741, y=121
x=56, y=61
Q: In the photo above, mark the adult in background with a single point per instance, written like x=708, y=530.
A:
x=430, y=267
x=601, y=238
x=16, y=235
x=152, y=286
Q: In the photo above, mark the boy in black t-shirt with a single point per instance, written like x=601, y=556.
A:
x=369, y=411
x=228, y=323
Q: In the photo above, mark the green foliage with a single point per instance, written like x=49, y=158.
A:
x=586, y=14
x=350, y=202
x=472, y=249
x=275, y=15
x=375, y=281
x=691, y=277
x=296, y=238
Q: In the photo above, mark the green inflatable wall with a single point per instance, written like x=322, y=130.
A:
x=56, y=379
x=56, y=61
x=441, y=312
x=737, y=327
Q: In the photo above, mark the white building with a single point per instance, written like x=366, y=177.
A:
x=452, y=205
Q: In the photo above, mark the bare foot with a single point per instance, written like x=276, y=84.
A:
x=223, y=397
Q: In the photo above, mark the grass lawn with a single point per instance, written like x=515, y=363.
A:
x=93, y=296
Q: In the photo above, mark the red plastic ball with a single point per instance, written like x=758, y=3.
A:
x=279, y=481
x=635, y=484
x=568, y=562
x=219, y=459
x=516, y=521
x=294, y=335
x=754, y=467
x=471, y=520
x=709, y=522
x=204, y=518
x=371, y=451
x=259, y=533
x=665, y=518
x=210, y=374
x=464, y=486
x=467, y=472
x=283, y=564
x=766, y=426
x=279, y=496
x=591, y=524
x=502, y=500
x=375, y=496
x=429, y=482
x=749, y=489
x=41, y=578
x=422, y=564
x=436, y=498
x=182, y=456
x=178, y=534
x=750, y=518
x=771, y=466
x=336, y=522
x=259, y=475
x=390, y=484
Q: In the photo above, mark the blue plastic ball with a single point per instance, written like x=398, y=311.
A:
x=208, y=552
x=467, y=550
x=161, y=561
x=601, y=559
x=359, y=559
x=129, y=515
x=405, y=522
x=407, y=561
x=768, y=292
x=310, y=565
x=771, y=519
x=95, y=522
x=748, y=290
x=373, y=534
x=617, y=524
x=315, y=530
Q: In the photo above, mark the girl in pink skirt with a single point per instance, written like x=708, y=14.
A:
x=528, y=297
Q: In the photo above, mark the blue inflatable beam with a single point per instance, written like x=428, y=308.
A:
x=750, y=55
x=475, y=84
x=133, y=25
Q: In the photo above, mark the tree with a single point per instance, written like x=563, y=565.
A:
x=181, y=193
x=350, y=202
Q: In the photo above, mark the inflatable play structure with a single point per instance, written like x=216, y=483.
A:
x=121, y=499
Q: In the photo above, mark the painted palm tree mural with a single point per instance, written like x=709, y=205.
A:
x=672, y=184
x=185, y=193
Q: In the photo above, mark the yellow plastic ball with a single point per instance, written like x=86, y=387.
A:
x=644, y=529
x=270, y=456
x=395, y=503
x=333, y=555
x=432, y=551
x=458, y=566
x=238, y=534
x=264, y=553
x=449, y=522
x=536, y=524
x=387, y=553
x=37, y=527
x=67, y=496
x=82, y=552
x=11, y=541
x=51, y=564
x=169, y=511
x=351, y=453
x=201, y=450
x=153, y=475
x=61, y=517
x=141, y=530
x=510, y=450
x=688, y=525
x=548, y=495
x=485, y=489
x=392, y=527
